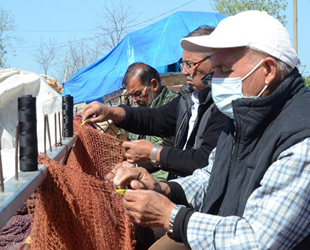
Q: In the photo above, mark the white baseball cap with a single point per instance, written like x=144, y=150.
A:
x=254, y=29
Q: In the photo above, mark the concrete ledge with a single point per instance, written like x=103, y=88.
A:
x=18, y=191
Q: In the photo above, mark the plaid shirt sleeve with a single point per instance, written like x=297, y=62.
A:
x=276, y=215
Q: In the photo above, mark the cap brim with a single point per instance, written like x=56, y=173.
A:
x=205, y=44
x=195, y=44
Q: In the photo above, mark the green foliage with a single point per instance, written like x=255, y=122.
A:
x=232, y=7
x=307, y=81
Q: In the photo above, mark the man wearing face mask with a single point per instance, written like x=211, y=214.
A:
x=254, y=194
x=192, y=118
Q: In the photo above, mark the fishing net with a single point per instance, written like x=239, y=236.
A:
x=16, y=230
x=75, y=207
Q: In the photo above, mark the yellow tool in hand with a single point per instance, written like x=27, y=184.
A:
x=120, y=191
x=83, y=122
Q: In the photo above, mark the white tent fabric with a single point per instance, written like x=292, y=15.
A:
x=15, y=83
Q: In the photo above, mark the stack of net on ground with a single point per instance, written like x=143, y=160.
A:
x=76, y=208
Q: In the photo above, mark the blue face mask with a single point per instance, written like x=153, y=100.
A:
x=226, y=90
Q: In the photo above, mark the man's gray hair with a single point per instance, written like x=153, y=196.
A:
x=284, y=69
x=203, y=30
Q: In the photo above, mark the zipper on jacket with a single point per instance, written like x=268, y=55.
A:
x=230, y=163
x=233, y=147
x=177, y=135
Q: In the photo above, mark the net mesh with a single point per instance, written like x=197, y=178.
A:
x=75, y=207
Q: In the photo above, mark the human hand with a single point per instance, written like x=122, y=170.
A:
x=124, y=164
x=138, y=151
x=95, y=112
x=134, y=178
x=148, y=208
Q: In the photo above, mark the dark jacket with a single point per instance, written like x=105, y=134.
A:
x=263, y=129
x=166, y=120
x=165, y=96
x=247, y=150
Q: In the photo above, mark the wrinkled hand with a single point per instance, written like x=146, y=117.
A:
x=124, y=164
x=138, y=151
x=148, y=208
x=135, y=178
x=95, y=112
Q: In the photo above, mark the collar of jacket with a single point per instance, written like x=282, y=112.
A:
x=263, y=110
x=186, y=92
x=160, y=98
x=186, y=89
x=205, y=95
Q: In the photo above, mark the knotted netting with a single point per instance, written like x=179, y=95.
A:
x=76, y=208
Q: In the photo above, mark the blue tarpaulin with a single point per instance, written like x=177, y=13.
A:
x=157, y=45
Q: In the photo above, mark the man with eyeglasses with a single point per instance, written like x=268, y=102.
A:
x=143, y=85
x=192, y=118
x=137, y=96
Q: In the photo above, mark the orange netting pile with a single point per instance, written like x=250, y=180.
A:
x=75, y=207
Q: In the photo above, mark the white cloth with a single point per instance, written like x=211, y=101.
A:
x=13, y=84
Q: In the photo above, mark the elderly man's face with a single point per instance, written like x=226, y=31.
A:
x=237, y=62
x=193, y=72
x=140, y=94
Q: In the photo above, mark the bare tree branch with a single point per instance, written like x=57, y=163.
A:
x=115, y=23
x=81, y=55
x=7, y=28
x=45, y=56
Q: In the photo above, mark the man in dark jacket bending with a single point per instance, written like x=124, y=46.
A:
x=191, y=117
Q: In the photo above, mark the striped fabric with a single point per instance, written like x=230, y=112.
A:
x=276, y=216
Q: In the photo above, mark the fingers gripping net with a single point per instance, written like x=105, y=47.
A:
x=75, y=207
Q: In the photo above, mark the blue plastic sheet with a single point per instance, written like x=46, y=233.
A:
x=157, y=45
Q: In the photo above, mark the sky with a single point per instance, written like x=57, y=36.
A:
x=64, y=20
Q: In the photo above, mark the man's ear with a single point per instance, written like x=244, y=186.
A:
x=270, y=70
x=155, y=85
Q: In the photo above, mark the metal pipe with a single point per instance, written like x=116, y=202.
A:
x=63, y=125
x=59, y=128
x=55, y=123
x=44, y=129
x=48, y=133
x=16, y=151
x=295, y=27
x=1, y=172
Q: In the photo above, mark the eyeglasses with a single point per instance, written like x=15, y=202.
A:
x=137, y=95
x=187, y=66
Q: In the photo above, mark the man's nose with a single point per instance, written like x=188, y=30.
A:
x=184, y=72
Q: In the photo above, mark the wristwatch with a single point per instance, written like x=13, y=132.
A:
x=174, y=212
x=153, y=154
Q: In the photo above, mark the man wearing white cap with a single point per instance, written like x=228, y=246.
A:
x=254, y=194
x=191, y=117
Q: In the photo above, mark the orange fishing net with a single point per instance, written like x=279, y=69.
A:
x=75, y=207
